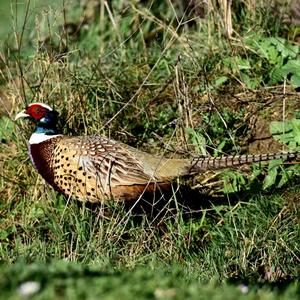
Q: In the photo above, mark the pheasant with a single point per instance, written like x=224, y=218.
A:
x=96, y=168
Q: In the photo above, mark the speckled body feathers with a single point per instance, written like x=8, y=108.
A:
x=96, y=168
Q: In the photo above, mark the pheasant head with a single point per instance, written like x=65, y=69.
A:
x=44, y=118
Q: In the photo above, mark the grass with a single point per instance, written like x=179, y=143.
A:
x=158, y=76
x=252, y=244
x=70, y=281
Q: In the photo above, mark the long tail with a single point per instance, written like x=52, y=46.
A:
x=202, y=164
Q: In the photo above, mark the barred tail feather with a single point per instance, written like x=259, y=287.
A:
x=202, y=164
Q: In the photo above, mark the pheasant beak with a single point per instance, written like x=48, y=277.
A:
x=22, y=114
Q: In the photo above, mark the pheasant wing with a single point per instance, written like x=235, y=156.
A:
x=94, y=165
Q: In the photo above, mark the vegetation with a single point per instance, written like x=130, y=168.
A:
x=163, y=76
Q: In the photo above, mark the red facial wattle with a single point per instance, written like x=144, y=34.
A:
x=36, y=111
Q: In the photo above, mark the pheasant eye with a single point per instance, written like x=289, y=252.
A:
x=38, y=113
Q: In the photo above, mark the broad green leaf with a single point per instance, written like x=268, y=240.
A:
x=273, y=56
x=295, y=80
x=279, y=73
x=287, y=132
x=243, y=64
x=270, y=179
x=292, y=66
x=284, y=178
x=262, y=48
x=220, y=80
x=277, y=127
x=284, y=47
x=276, y=75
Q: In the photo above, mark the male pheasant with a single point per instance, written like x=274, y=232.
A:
x=95, y=168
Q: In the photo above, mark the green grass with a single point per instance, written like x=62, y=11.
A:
x=161, y=79
x=75, y=281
